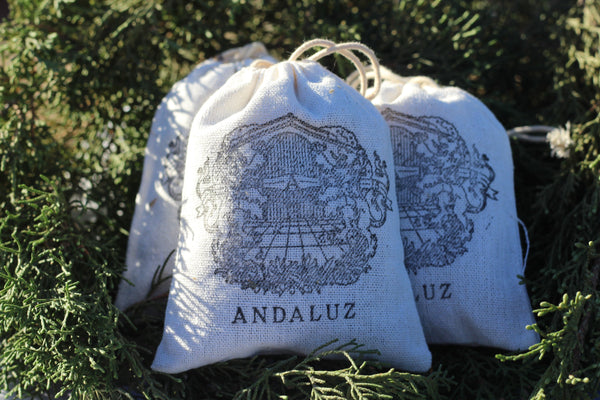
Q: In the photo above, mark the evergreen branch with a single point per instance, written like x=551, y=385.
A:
x=303, y=380
x=564, y=344
x=585, y=323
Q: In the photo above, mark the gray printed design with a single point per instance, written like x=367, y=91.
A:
x=173, y=164
x=292, y=207
x=440, y=185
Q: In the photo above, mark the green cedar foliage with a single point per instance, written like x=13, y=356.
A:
x=79, y=84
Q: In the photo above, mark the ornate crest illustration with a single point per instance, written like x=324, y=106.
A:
x=292, y=206
x=440, y=184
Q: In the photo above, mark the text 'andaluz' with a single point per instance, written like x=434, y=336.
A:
x=291, y=314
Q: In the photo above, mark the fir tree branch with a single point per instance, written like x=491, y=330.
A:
x=585, y=322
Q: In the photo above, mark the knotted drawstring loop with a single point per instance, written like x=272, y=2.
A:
x=346, y=50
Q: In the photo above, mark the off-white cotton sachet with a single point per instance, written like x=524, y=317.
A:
x=289, y=226
x=458, y=220
x=155, y=226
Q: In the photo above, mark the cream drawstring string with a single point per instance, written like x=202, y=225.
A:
x=345, y=49
x=522, y=133
x=558, y=138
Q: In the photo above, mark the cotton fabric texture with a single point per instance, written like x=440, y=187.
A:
x=155, y=225
x=289, y=226
x=458, y=219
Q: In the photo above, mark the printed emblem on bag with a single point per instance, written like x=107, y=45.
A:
x=440, y=184
x=173, y=164
x=292, y=206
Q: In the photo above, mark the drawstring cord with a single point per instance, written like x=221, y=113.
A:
x=345, y=49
